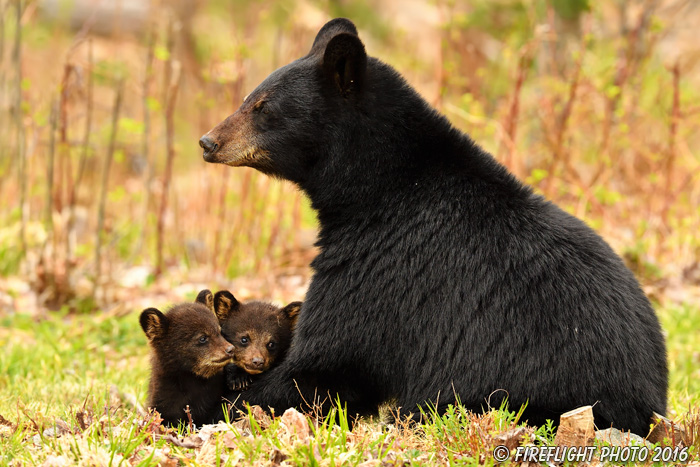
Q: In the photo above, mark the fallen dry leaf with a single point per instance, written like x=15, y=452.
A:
x=293, y=423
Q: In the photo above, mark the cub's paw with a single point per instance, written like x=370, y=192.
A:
x=237, y=379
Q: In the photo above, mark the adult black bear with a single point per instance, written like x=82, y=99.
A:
x=440, y=276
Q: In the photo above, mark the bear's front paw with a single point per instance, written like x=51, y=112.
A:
x=240, y=383
x=236, y=379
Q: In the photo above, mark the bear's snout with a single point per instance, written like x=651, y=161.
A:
x=209, y=146
x=257, y=363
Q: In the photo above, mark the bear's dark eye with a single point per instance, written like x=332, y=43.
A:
x=203, y=340
x=271, y=345
x=262, y=107
x=244, y=340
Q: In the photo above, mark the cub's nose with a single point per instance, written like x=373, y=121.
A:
x=229, y=350
x=208, y=145
x=257, y=362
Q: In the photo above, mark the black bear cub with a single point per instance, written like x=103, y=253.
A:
x=260, y=333
x=188, y=358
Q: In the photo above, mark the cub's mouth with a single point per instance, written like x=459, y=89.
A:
x=253, y=371
x=222, y=361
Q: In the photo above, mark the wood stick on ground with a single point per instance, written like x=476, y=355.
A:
x=576, y=428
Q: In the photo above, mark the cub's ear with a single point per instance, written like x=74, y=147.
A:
x=225, y=304
x=153, y=322
x=345, y=63
x=206, y=298
x=291, y=311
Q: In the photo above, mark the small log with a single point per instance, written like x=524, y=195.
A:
x=576, y=428
x=666, y=429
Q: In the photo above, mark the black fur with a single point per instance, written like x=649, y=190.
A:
x=439, y=274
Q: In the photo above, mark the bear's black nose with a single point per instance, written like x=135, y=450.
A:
x=229, y=350
x=208, y=145
x=257, y=362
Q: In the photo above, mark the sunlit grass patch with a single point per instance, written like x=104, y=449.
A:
x=72, y=385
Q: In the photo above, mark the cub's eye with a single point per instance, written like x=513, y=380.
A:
x=203, y=339
x=244, y=340
x=271, y=345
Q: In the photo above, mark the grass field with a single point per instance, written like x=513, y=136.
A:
x=594, y=104
x=71, y=386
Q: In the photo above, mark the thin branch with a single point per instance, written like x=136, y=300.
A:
x=21, y=153
x=170, y=147
x=105, y=179
x=146, y=143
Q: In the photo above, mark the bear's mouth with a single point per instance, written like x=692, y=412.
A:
x=250, y=156
x=223, y=361
x=253, y=371
x=247, y=157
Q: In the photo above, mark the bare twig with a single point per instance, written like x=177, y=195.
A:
x=146, y=143
x=75, y=186
x=559, y=155
x=53, y=122
x=512, y=161
x=3, y=95
x=170, y=147
x=21, y=153
x=105, y=179
x=672, y=137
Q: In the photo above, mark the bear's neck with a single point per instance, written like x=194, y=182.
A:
x=395, y=147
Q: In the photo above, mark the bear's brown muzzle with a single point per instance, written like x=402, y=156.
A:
x=210, y=148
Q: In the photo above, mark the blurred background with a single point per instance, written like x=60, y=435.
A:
x=106, y=203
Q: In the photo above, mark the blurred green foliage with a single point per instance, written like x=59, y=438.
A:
x=573, y=96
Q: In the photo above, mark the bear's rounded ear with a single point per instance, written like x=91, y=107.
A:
x=345, y=63
x=153, y=322
x=329, y=30
x=206, y=298
x=224, y=304
x=291, y=311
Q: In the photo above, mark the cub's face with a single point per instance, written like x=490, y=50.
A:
x=187, y=338
x=260, y=332
x=259, y=335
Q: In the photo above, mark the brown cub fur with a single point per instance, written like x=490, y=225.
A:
x=188, y=358
x=260, y=333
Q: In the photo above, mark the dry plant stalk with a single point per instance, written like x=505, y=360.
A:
x=170, y=148
x=557, y=144
x=512, y=161
x=146, y=144
x=676, y=117
x=19, y=125
x=105, y=179
x=75, y=186
x=49, y=209
x=3, y=94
